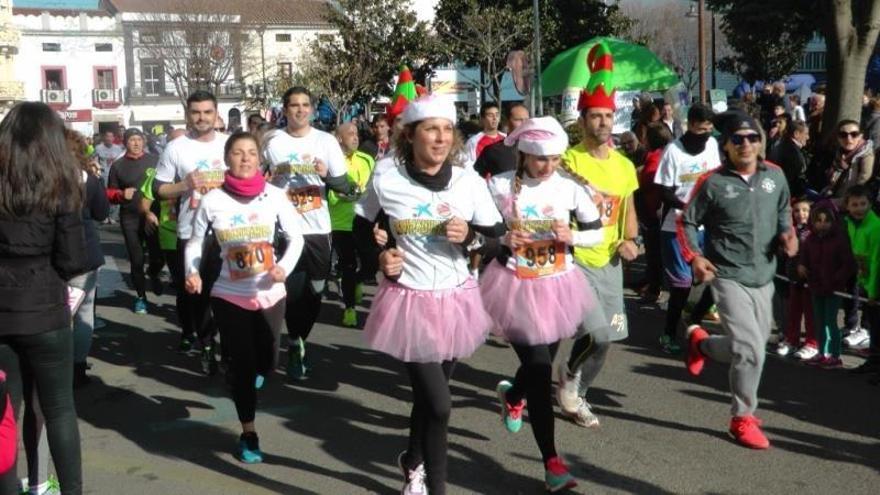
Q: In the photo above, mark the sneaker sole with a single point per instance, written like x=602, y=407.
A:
x=753, y=447
x=569, y=484
x=575, y=419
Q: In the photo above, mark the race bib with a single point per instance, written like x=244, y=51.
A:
x=306, y=198
x=540, y=259
x=212, y=180
x=249, y=260
x=609, y=208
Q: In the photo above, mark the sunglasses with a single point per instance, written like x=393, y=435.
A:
x=739, y=139
x=851, y=134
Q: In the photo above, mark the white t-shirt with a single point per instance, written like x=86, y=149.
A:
x=106, y=156
x=418, y=219
x=680, y=170
x=292, y=163
x=245, y=233
x=183, y=156
x=472, y=148
x=539, y=205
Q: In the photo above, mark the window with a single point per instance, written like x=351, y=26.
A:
x=105, y=79
x=148, y=37
x=285, y=70
x=51, y=47
x=103, y=47
x=153, y=77
x=54, y=78
x=199, y=37
x=813, y=62
x=282, y=38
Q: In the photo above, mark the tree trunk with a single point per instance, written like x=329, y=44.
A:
x=849, y=48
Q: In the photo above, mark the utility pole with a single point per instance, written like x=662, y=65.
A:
x=539, y=97
x=701, y=41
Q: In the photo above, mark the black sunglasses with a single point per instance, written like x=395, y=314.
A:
x=852, y=134
x=739, y=139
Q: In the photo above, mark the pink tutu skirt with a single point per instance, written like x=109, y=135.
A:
x=422, y=326
x=535, y=311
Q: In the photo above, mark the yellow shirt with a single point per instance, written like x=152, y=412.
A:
x=613, y=181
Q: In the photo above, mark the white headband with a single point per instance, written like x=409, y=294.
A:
x=540, y=136
x=429, y=107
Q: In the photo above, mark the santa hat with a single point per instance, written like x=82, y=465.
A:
x=429, y=107
x=540, y=136
x=600, y=91
x=404, y=92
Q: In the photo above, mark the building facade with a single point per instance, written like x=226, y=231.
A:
x=11, y=90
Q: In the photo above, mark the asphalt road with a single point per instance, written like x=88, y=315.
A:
x=151, y=423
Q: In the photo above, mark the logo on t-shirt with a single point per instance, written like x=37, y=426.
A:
x=768, y=185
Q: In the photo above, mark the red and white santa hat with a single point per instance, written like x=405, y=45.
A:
x=540, y=136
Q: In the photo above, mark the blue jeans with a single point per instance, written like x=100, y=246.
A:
x=84, y=319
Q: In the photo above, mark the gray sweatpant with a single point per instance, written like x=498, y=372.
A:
x=746, y=316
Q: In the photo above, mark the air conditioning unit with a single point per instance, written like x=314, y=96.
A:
x=105, y=95
x=56, y=95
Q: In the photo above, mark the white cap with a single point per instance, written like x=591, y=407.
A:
x=429, y=107
x=539, y=136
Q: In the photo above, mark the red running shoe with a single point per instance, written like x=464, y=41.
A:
x=695, y=358
x=746, y=430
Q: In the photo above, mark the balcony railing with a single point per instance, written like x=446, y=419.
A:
x=152, y=91
x=106, y=98
x=55, y=97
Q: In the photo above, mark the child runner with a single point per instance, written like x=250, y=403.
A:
x=534, y=292
x=428, y=311
x=248, y=298
x=826, y=262
x=799, y=304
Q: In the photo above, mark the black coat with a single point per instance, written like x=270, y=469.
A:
x=791, y=159
x=38, y=254
x=95, y=209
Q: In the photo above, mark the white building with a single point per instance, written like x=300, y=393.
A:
x=71, y=57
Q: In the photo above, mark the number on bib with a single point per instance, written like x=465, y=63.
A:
x=540, y=259
x=609, y=208
x=306, y=198
x=250, y=260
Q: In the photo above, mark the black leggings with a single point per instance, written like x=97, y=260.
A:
x=303, y=305
x=251, y=337
x=588, y=355
x=678, y=297
x=178, y=281
x=429, y=421
x=49, y=355
x=135, y=237
x=346, y=250
x=195, y=314
x=534, y=382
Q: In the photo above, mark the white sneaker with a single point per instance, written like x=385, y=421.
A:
x=583, y=416
x=783, y=349
x=864, y=344
x=806, y=352
x=856, y=337
x=413, y=479
x=567, y=391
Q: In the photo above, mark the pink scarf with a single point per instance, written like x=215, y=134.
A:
x=245, y=188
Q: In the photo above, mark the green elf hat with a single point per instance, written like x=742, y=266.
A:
x=600, y=90
x=404, y=93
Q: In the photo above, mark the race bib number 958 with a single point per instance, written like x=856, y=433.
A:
x=540, y=259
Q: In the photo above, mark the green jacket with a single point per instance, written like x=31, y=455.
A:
x=360, y=166
x=864, y=237
x=742, y=219
x=167, y=213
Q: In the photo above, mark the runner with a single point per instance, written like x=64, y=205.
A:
x=612, y=178
x=306, y=162
x=248, y=296
x=490, y=118
x=744, y=206
x=428, y=311
x=499, y=157
x=190, y=166
x=126, y=176
x=682, y=163
x=341, y=219
x=534, y=293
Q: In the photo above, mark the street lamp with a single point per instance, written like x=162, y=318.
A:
x=694, y=12
x=701, y=45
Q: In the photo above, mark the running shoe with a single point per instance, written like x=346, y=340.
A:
x=259, y=382
x=806, y=352
x=567, y=393
x=783, y=349
x=582, y=415
x=511, y=414
x=746, y=430
x=249, y=448
x=556, y=475
x=186, y=343
x=156, y=285
x=695, y=358
x=817, y=360
x=350, y=317
x=831, y=363
x=208, y=361
x=668, y=345
x=297, y=368
x=857, y=338
x=140, y=306
x=413, y=479
x=359, y=293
